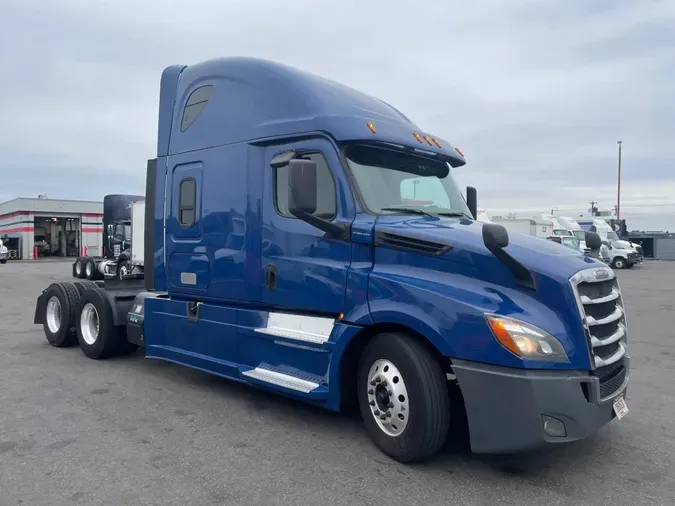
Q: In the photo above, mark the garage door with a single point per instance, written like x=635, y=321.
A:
x=665, y=248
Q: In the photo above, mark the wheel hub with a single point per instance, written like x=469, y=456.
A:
x=89, y=323
x=388, y=397
x=53, y=314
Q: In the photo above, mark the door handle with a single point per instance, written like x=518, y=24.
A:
x=271, y=277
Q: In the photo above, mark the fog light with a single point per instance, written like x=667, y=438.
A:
x=553, y=427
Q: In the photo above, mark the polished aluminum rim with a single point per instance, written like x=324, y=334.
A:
x=54, y=314
x=78, y=267
x=123, y=271
x=388, y=397
x=89, y=323
x=88, y=269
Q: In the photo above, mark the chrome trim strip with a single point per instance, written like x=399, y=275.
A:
x=585, y=299
x=614, y=357
x=616, y=336
x=616, y=315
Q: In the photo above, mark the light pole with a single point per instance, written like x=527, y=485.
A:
x=618, y=186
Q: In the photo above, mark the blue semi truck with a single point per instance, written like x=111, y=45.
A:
x=306, y=238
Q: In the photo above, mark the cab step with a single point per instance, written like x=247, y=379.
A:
x=269, y=377
x=308, y=329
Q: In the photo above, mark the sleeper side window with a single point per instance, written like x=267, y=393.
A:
x=195, y=105
x=187, y=199
x=326, y=194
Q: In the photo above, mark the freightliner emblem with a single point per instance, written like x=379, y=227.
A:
x=601, y=274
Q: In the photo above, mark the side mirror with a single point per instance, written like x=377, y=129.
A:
x=302, y=186
x=472, y=202
x=593, y=241
x=495, y=236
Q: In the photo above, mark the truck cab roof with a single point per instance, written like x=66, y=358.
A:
x=231, y=100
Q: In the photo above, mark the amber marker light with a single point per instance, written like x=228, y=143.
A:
x=438, y=144
x=428, y=139
x=418, y=137
x=371, y=127
x=460, y=153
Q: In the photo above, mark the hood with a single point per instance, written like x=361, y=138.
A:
x=621, y=244
x=466, y=246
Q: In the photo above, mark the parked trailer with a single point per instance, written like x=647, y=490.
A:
x=283, y=250
x=117, y=242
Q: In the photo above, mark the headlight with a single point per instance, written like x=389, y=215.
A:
x=525, y=340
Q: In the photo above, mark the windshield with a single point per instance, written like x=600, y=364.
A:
x=571, y=242
x=388, y=180
x=561, y=231
x=611, y=235
x=579, y=234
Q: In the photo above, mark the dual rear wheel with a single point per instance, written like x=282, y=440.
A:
x=79, y=313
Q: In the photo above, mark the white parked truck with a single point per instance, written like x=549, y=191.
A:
x=530, y=226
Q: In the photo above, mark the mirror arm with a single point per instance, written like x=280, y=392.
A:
x=334, y=230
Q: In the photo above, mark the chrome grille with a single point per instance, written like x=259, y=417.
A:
x=602, y=312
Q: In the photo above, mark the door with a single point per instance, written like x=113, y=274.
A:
x=303, y=270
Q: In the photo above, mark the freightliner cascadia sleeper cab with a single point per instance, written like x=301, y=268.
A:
x=309, y=239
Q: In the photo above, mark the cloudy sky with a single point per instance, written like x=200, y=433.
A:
x=535, y=92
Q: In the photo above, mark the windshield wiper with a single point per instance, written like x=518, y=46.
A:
x=455, y=215
x=406, y=210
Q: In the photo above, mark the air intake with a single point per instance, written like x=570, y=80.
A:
x=410, y=243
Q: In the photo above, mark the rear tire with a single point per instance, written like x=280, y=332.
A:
x=79, y=268
x=84, y=285
x=399, y=375
x=96, y=334
x=90, y=269
x=59, y=317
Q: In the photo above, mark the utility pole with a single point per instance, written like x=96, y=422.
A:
x=618, y=186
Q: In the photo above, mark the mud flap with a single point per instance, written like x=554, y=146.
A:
x=40, y=308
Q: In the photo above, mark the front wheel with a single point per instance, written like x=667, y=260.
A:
x=619, y=263
x=122, y=269
x=403, y=397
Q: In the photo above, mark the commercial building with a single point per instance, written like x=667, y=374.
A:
x=35, y=228
x=660, y=246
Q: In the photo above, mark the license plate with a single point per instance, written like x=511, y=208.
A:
x=620, y=407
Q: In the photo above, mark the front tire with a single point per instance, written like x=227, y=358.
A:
x=122, y=270
x=619, y=263
x=403, y=397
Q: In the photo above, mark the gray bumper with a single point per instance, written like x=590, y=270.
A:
x=4, y=256
x=505, y=407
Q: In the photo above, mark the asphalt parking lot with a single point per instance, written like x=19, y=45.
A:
x=135, y=431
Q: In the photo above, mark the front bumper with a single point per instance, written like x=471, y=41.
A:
x=505, y=406
x=4, y=256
